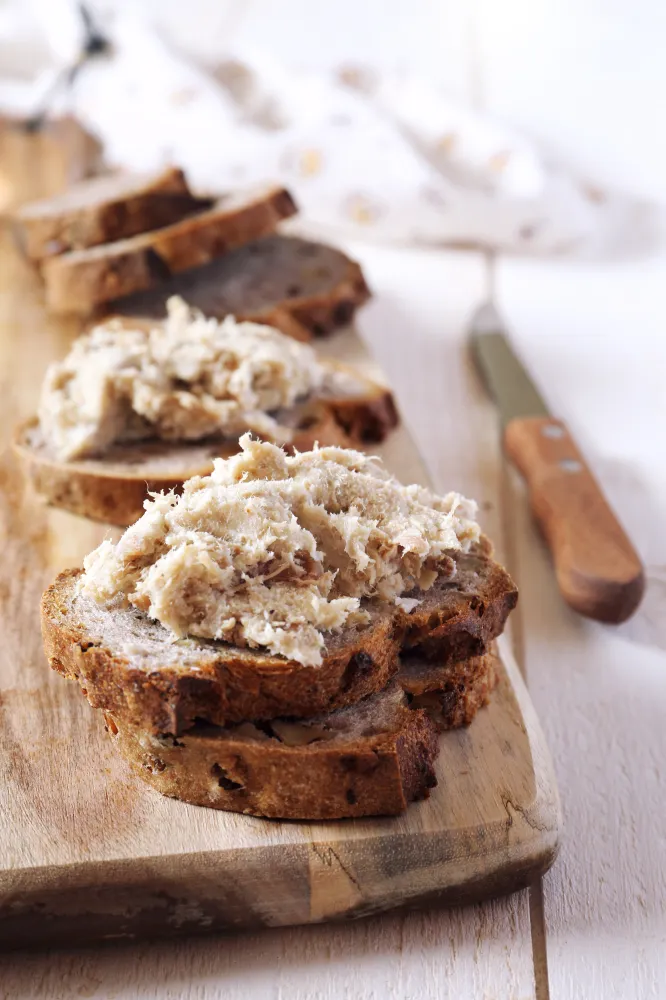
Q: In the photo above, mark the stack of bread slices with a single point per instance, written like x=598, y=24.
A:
x=235, y=727
x=125, y=243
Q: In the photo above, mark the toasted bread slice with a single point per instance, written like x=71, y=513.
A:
x=451, y=693
x=113, y=488
x=129, y=666
x=77, y=281
x=303, y=288
x=104, y=209
x=371, y=759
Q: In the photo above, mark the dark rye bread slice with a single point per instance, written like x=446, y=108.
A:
x=127, y=664
x=458, y=617
x=77, y=281
x=371, y=759
x=104, y=209
x=451, y=693
x=113, y=488
x=302, y=287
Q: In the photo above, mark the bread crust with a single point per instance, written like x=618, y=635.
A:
x=125, y=205
x=451, y=693
x=223, y=684
x=114, y=489
x=378, y=773
x=226, y=684
x=457, y=618
x=326, y=312
x=78, y=280
x=375, y=774
x=299, y=311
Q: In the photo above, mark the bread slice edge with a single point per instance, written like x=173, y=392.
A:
x=141, y=202
x=374, y=769
x=222, y=684
x=77, y=281
x=293, y=769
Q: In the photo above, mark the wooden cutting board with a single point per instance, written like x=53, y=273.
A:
x=87, y=852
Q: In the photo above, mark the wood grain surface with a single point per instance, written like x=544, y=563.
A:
x=88, y=852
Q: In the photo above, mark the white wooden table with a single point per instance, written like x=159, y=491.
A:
x=595, y=338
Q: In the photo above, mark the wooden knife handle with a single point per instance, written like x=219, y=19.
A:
x=597, y=568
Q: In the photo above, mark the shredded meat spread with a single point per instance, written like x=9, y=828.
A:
x=273, y=551
x=182, y=379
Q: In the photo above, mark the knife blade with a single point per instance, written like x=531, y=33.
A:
x=598, y=571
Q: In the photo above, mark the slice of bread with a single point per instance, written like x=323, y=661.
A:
x=129, y=666
x=104, y=209
x=451, y=693
x=302, y=287
x=78, y=280
x=113, y=488
x=370, y=759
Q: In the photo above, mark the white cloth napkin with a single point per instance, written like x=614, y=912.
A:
x=385, y=158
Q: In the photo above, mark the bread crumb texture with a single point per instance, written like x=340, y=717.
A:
x=181, y=379
x=273, y=551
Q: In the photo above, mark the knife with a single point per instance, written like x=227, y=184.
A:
x=598, y=571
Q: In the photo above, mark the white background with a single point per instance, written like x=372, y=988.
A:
x=587, y=77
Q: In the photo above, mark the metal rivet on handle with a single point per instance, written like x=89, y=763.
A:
x=552, y=431
x=570, y=465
